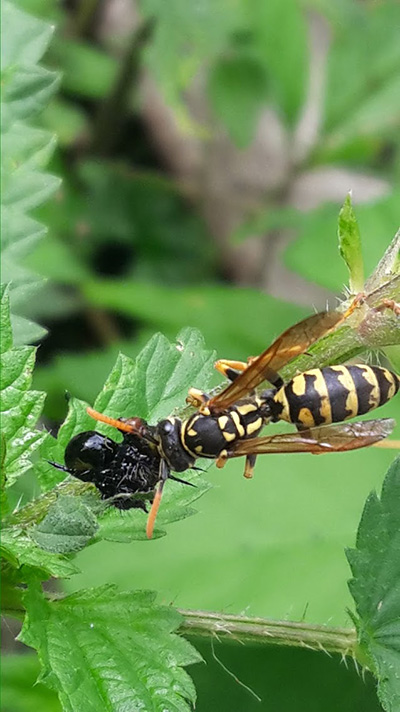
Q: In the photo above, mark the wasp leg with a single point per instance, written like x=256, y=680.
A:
x=233, y=369
x=222, y=459
x=164, y=474
x=304, y=430
x=385, y=304
x=196, y=398
x=249, y=466
x=230, y=369
x=389, y=304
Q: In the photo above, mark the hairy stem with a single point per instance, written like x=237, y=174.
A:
x=261, y=631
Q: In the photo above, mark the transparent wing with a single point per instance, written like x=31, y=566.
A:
x=293, y=342
x=326, y=438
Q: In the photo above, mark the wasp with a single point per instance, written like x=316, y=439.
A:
x=226, y=425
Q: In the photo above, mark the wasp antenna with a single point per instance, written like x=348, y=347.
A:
x=154, y=509
x=198, y=469
x=125, y=427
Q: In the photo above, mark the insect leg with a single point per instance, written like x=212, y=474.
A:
x=164, y=474
x=249, y=466
x=384, y=304
x=221, y=459
x=196, y=398
x=230, y=369
x=233, y=369
x=389, y=304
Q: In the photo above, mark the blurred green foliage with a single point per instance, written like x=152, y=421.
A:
x=130, y=250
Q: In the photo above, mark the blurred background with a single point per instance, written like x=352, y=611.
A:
x=205, y=149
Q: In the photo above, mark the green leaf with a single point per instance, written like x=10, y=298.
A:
x=240, y=320
x=375, y=586
x=20, y=691
x=365, y=101
x=393, y=354
x=25, y=330
x=82, y=373
x=280, y=35
x=377, y=117
x=103, y=649
x=27, y=88
x=148, y=212
x=316, y=244
x=237, y=90
x=21, y=547
x=350, y=246
x=185, y=36
x=66, y=119
x=20, y=406
x=66, y=528
x=87, y=71
x=158, y=380
x=25, y=37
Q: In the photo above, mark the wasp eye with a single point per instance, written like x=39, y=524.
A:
x=89, y=451
x=167, y=426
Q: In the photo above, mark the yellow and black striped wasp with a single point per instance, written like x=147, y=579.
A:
x=228, y=424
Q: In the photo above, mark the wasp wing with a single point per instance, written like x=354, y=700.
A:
x=326, y=438
x=293, y=342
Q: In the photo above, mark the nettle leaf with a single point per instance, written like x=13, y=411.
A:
x=375, y=587
x=27, y=88
x=67, y=527
x=21, y=552
x=20, y=406
x=158, y=380
x=350, y=246
x=102, y=649
x=151, y=387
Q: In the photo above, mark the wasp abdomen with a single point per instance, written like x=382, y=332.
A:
x=333, y=394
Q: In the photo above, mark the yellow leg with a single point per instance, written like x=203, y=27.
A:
x=224, y=366
x=221, y=459
x=197, y=398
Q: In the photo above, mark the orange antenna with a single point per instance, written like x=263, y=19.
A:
x=130, y=425
x=154, y=509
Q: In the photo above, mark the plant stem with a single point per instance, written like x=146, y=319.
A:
x=261, y=631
